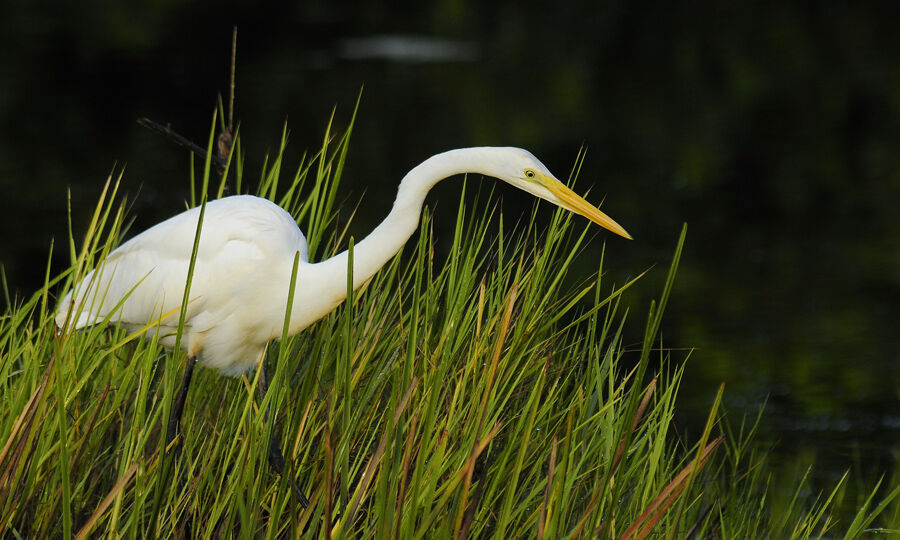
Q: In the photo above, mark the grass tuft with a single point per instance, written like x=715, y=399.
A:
x=476, y=395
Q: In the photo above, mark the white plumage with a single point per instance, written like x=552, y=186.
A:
x=243, y=267
x=238, y=295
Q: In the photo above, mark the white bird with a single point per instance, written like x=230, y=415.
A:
x=238, y=296
x=245, y=258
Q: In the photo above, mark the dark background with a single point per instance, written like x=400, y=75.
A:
x=770, y=128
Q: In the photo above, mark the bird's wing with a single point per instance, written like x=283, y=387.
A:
x=144, y=279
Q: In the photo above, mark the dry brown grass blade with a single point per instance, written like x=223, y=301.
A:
x=329, y=488
x=470, y=511
x=405, y=470
x=638, y=414
x=18, y=438
x=467, y=471
x=460, y=527
x=113, y=493
x=464, y=500
x=667, y=497
x=301, y=429
x=501, y=339
x=495, y=357
x=544, y=505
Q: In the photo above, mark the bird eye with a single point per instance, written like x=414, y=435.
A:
x=529, y=173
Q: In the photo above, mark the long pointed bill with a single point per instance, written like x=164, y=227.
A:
x=570, y=200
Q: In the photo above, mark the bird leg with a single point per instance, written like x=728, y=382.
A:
x=276, y=458
x=180, y=397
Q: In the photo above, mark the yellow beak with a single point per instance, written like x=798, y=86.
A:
x=570, y=200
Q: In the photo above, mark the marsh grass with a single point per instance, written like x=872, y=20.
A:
x=475, y=395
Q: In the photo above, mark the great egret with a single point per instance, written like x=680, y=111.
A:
x=244, y=263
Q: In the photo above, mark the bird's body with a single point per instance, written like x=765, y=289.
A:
x=242, y=274
x=243, y=269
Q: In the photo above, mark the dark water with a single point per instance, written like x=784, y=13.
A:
x=773, y=131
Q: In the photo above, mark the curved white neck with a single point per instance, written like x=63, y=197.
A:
x=386, y=240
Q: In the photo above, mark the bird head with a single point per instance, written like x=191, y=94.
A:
x=520, y=168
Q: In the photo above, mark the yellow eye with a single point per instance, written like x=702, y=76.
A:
x=529, y=173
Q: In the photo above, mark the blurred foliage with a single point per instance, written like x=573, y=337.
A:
x=772, y=128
